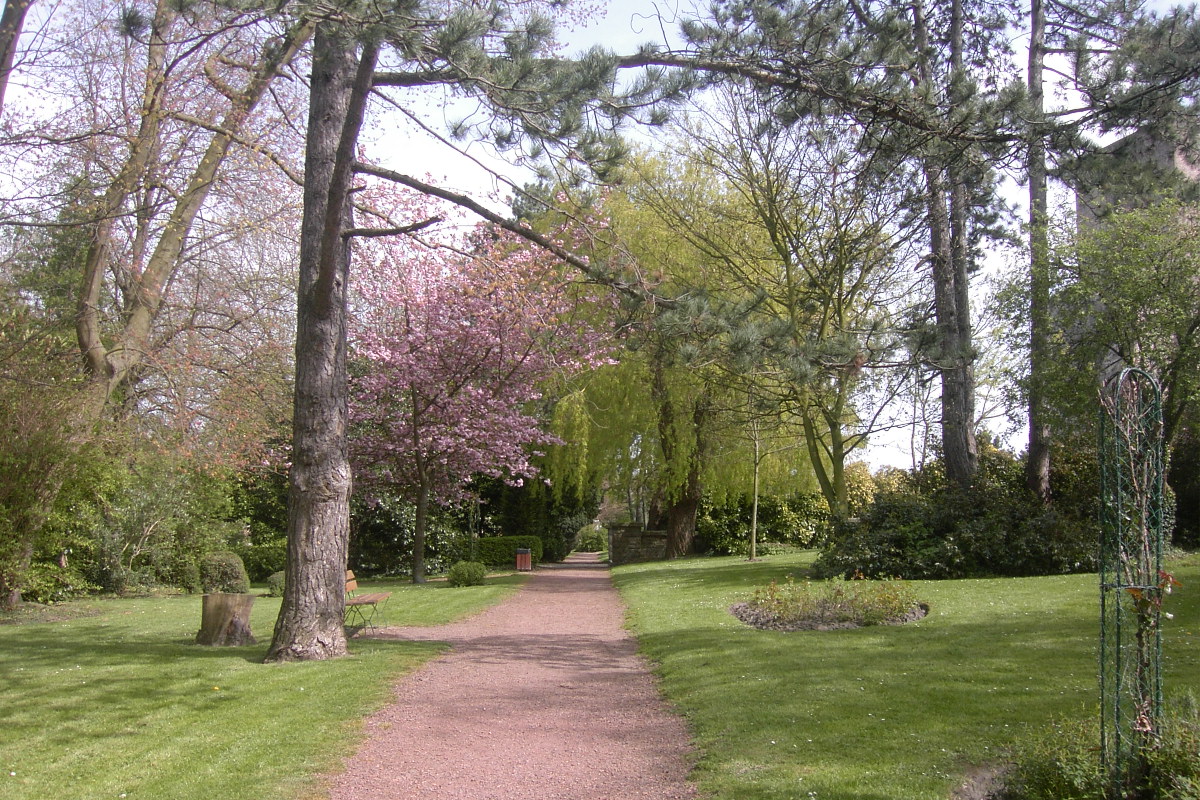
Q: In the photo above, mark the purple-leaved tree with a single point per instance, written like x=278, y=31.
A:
x=453, y=348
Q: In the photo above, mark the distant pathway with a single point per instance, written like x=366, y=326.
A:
x=542, y=697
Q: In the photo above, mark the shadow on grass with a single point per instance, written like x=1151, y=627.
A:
x=43, y=646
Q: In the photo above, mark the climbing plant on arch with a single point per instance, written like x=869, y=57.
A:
x=1132, y=580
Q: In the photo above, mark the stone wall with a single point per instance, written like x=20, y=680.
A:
x=630, y=544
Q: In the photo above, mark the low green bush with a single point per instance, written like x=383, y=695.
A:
x=1063, y=762
x=264, y=558
x=275, y=584
x=592, y=539
x=723, y=528
x=501, y=551
x=831, y=603
x=466, y=573
x=918, y=527
x=223, y=572
x=185, y=573
x=47, y=582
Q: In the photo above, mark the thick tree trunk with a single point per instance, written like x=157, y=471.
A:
x=310, y=624
x=1037, y=465
x=947, y=203
x=682, y=513
x=12, y=570
x=681, y=522
x=683, y=502
x=225, y=620
x=953, y=356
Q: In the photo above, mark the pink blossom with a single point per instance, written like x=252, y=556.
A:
x=452, y=350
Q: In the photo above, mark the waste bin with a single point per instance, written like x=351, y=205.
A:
x=524, y=559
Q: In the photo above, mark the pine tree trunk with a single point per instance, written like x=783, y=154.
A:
x=310, y=624
x=947, y=205
x=1037, y=465
x=953, y=354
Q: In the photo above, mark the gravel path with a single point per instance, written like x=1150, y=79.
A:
x=542, y=697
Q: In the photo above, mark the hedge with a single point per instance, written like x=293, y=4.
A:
x=501, y=551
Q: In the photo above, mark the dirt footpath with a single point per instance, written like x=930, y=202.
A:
x=542, y=697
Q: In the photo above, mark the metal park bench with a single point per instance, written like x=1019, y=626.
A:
x=361, y=608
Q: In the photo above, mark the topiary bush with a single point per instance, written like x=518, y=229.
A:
x=501, y=551
x=466, y=573
x=223, y=572
x=275, y=584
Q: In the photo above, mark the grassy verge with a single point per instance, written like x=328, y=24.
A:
x=111, y=699
x=436, y=602
x=882, y=713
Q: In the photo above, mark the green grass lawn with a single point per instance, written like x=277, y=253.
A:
x=436, y=603
x=114, y=701
x=882, y=713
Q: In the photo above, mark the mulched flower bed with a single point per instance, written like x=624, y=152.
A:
x=765, y=621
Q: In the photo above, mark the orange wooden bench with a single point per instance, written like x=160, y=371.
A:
x=361, y=608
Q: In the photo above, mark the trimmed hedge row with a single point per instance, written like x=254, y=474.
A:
x=501, y=551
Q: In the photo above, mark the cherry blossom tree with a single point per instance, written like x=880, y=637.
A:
x=454, y=348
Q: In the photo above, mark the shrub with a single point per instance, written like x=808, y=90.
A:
x=557, y=541
x=831, y=603
x=592, y=539
x=264, y=557
x=223, y=572
x=1173, y=767
x=51, y=583
x=1060, y=763
x=1063, y=763
x=501, y=551
x=918, y=527
x=381, y=538
x=186, y=575
x=724, y=528
x=466, y=573
x=275, y=584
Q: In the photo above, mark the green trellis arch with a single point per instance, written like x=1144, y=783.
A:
x=1132, y=581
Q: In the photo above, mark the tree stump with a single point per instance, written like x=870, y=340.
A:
x=225, y=620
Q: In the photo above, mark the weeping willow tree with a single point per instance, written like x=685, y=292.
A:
x=791, y=277
x=660, y=439
x=666, y=425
